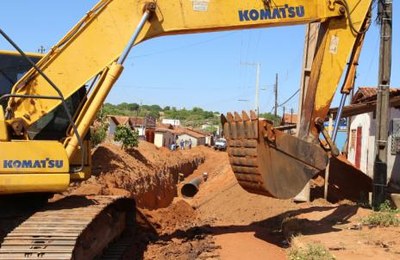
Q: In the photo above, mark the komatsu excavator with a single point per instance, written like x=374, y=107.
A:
x=46, y=115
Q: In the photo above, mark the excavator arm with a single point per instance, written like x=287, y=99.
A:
x=95, y=49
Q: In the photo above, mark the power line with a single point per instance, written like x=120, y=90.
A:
x=287, y=100
x=292, y=96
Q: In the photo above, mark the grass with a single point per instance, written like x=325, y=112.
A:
x=310, y=252
x=385, y=217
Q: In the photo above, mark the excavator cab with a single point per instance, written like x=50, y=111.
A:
x=12, y=67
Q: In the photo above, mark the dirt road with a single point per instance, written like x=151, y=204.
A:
x=225, y=222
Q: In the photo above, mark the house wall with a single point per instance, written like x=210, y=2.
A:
x=195, y=141
x=174, y=122
x=362, y=121
x=368, y=124
x=141, y=130
x=163, y=139
x=158, y=139
x=209, y=140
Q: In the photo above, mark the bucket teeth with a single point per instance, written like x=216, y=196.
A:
x=253, y=115
x=245, y=116
x=229, y=117
x=238, y=126
x=237, y=117
x=223, y=119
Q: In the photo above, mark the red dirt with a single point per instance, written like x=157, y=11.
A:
x=148, y=173
x=223, y=221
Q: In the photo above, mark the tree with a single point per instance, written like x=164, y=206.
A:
x=98, y=130
x=128, y=137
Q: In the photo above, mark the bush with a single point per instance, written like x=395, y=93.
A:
x=310, y=252
x=385, y=217
x=128, y=137
x=97, y=135
x=98, y=131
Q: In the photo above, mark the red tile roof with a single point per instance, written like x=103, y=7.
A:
x=136, y=121
x=365, y=94
x=119, y=120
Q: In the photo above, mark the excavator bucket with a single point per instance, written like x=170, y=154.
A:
x=268, y=161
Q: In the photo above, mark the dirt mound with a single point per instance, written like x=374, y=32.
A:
x=180, y=234
x=148, y=173
x=178, y=216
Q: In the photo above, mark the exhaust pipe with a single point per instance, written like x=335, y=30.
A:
x=190, y=189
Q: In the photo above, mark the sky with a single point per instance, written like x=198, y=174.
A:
x=214, y=71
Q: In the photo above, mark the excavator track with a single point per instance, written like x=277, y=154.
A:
x=76, y=227
x=268, y=161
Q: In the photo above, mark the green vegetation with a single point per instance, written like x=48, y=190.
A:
x=385, y=217
x=269, y=116
x=310, y=252
x=98, y=132
x=128, y=137
x=191, y=118
x=194, y=117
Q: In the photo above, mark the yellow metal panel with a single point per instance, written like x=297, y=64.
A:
x=21, y=183
x=190, y=16
x=3, y=126
x=33, y=157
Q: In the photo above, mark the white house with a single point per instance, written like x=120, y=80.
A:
x=164, y=137
x=186, y=134
x=361, y=141
x=173, y=122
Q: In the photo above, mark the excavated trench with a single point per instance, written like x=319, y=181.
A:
x=148, y=174
x=159, y=190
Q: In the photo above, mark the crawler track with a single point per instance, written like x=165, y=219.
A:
x=71, y=228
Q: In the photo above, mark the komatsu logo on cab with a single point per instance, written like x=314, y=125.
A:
x=30, y=164
x=285, y=11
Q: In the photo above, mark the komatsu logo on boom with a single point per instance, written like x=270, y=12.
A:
x=46, y=163
x=285, y=11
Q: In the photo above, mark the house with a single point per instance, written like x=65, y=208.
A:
x=144, y=126
x=164, y=136
x=173, y=122
x=361, y=141
x=196, y=137
x=114, y=121
x=167, y=134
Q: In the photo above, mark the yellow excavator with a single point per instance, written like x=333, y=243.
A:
x=46, y=114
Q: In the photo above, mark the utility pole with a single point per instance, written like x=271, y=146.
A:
x=382, y=107
x=291, y=116
x=276, y=95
